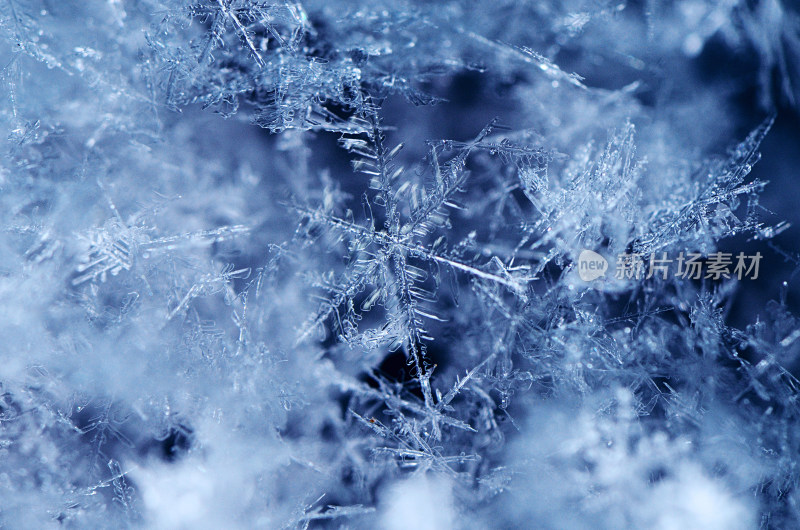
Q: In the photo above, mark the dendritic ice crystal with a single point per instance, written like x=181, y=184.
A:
x=399, y=264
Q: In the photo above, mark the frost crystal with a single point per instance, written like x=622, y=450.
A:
x=320, y=264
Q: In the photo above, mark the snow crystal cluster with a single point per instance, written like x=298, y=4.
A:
x=316, y=264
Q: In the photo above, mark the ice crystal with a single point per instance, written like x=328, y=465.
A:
x=306, y=264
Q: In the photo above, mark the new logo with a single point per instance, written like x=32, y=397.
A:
x=591, y=265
